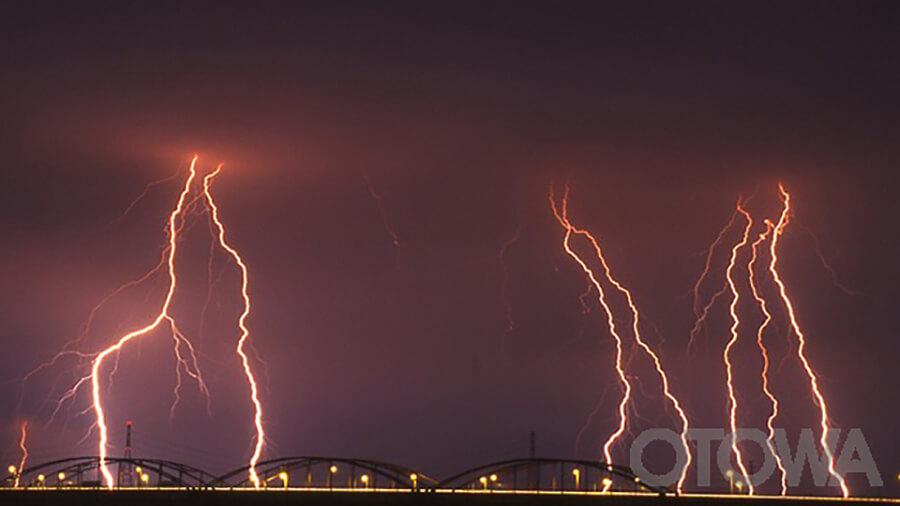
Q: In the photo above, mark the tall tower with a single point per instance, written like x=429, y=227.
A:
x=126, y=469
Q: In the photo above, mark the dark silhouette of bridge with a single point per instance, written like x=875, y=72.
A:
x=341, y=474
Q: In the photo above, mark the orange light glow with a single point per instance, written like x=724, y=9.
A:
x=726, y=355
x=825, y=420
x=245, y=332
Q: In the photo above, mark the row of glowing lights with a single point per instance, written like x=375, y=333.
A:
x=61, y=477
x=492, y=480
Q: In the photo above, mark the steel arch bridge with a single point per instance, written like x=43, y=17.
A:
x=330, y=472
x=538, y=474
x=75, y=471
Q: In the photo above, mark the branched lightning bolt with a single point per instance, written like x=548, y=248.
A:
x=726, y=355
x=163, y=315
x=770, y=422
x=610, y=320
x=24, y=449
x=801, y=338
x=68, y=348
x=563, y=219
x=701, y=314
x=245, y=332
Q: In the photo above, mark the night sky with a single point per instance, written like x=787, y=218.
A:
x=459, y=114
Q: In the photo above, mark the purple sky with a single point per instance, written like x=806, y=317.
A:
x=460, y=114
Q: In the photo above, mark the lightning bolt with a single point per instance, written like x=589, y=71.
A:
x=735, y=324
x=245, y=332
x=770, y=421
x=22, y=440
x=562, y=218
x=162, y=316
x=801, y=338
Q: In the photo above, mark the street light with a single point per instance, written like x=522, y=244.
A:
x=577, y=474
x=12, y=469
x=365, y=480
x=484, y=481
x=740, y=486
x=145, y=478
x=730, y=474
x=41, y=479
x=283, y=476
x=331, y=471
x=415, y=480
x=61, y=478
x=606, y=484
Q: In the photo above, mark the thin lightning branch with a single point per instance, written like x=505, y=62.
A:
x=570, y=229
x=770, y=421
x=825, y=420
x=504, y=288
x=701, y=314
x=210, y=280
x=585, y=313
x=395, y=240
x=181, y=363
x=704, y=313
x=825, y=264
x=706, y=266
x=590, y=420
x=245, y=332
x=143, y=194
x=85, y=329
x=735, y=324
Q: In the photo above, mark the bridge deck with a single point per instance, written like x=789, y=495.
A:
x=170, y=497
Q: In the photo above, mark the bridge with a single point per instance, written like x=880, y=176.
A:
x=351, y=481
x=341, y=473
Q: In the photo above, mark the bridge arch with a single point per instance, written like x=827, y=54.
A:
x=77, y=471
x=329, y=472
x=548, y=474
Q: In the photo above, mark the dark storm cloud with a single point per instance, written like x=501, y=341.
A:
x=460, y=112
